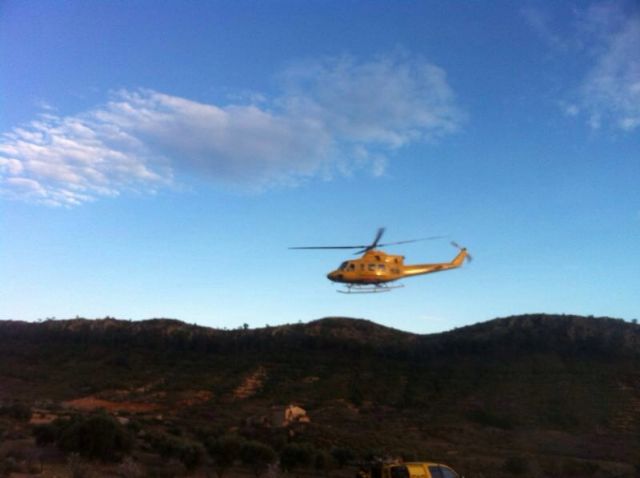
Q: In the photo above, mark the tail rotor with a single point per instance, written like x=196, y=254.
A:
x=460, y=248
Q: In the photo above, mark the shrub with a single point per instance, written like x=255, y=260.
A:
x=323, y=462
x=224, y=451
x=342, y=456
x=257, y=456
x=17, y=410
x=77, y=467
x=489, y=419
x=97, y=436
x=190, y=453
x=129, y=469
x=296, y=455
x=516, y=465
x=45, y=434
x=8, y=465
x=579, y=468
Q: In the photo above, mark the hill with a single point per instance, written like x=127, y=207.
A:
x=558, y=395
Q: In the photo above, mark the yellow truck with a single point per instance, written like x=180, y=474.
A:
x=423, y=469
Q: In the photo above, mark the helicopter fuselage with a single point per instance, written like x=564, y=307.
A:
x=378, y=267
x=374, y=267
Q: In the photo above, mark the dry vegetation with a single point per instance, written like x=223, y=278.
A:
x=528, y=396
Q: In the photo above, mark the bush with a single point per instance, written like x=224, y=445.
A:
x=8, y=465
x=97, y=437
x=129, y=469
x=17, y=410
x=296, y=455
x=516, y=465
x=224, y=451
x=342, y=456
x=190, y=453
x=78, y=468
x=45, y=434
x=579, y=468
x=323, y=462
x=489, y=419
x=257, y=456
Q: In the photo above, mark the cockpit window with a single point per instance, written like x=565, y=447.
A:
x=399, y=472
x=343, y=266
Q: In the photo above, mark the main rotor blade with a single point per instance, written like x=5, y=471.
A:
x=411, y=240
x=373, y=245
x=329, y=247
x=378, y=236
x=363, y=248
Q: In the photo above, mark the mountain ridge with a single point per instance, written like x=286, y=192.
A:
x=547, y=332
x=546, y=388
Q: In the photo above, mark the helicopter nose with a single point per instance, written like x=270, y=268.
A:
x=334, y=276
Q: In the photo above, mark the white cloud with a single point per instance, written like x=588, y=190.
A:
x=606, y=36
x=335, y=115
x=610, y=93
x=542, y=25
x=391, y=101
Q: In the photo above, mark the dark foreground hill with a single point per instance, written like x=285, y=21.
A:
x=534, y=395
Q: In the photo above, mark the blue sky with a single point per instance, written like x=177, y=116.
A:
x=158, y=158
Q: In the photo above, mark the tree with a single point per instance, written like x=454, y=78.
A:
x=257, y=456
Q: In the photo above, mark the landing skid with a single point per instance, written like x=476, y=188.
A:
x=368, y=289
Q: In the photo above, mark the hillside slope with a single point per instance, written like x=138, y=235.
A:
x=559, y=391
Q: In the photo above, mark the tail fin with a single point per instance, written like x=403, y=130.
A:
x=459, y=259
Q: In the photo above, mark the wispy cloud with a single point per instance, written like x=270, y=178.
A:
x=610, y=93
x=606, y=36
x=333, y=116
x=541, y=22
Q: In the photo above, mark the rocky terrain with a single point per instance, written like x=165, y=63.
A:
x=534, y=395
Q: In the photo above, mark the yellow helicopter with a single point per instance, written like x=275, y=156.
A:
x=376, y=269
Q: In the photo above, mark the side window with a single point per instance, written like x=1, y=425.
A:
x=399, y=472
x=380, y=267
x=436, y=472
x=372, y=267
x=352, y=267
x=448, y=473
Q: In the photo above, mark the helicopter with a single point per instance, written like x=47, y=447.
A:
x=375, y=269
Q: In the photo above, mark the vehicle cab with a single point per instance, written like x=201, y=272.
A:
x=413, y=470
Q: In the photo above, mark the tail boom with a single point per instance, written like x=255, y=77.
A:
x=419, y=269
